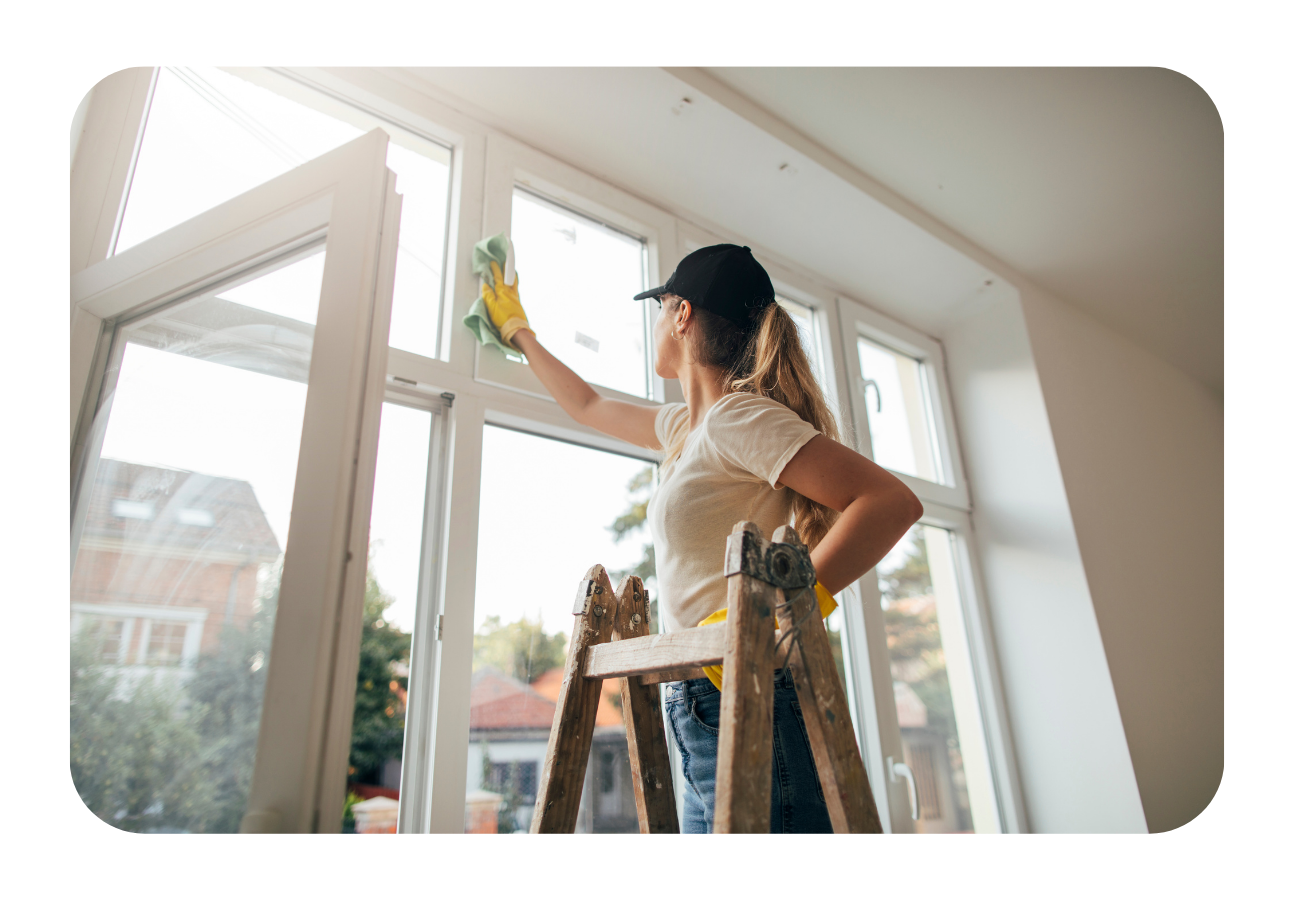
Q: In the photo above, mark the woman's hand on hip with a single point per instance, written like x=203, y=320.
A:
x=876, y=509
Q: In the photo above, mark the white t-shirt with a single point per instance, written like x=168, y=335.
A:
x=726, y=473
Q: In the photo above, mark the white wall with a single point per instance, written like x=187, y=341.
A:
x=1075, y=771
x=1140, y=450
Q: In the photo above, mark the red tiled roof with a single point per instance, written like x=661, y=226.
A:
x=501, y=702
x=549, y=685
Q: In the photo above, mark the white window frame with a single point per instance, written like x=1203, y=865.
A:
x=946, y=507
x=366, y=111
x=512, y=165
x=859, y=321
x=434, y=784
x=424, y=655
x=987, y=682
x=194, y=617
x=345, y=200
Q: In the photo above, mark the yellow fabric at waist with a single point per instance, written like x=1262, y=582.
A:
x=826, y=605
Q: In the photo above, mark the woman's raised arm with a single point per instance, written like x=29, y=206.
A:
x=626, y=421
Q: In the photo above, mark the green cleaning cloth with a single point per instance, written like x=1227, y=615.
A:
x=477, y=320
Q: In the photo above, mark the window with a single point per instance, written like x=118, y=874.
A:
x=203, y=518
x=518, y=778
x=925, y=601
x=583, y=250
x=580, y=277
x=807, y=325
x=165, y=643
x=898, y=396
x=210, y=136
x=902, y=430
x=131, y=509
x=226, y=367
x=197, y=468
x=202, y=402
x=107, y=639
x=397, y=544
x=934, y=686
x=523, y=621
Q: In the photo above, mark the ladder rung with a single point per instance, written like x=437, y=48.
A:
x=657, y=652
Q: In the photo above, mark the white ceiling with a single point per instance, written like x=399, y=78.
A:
x=1103, y=186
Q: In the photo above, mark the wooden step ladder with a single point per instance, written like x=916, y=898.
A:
x=768, y=582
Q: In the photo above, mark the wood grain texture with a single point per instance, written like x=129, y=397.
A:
x=826, y=712
x=644, y=726
x=657, y=652
x=671, y=675
x=743, y=781
x=557, y=801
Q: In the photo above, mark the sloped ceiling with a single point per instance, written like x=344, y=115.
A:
x=1103, y=186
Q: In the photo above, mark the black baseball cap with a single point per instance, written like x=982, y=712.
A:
x=723, y=279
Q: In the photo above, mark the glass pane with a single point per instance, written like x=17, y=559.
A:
x=835, y=624
x=394, y=560
x=524, y=580
x=898, y=412
x=578, y=279
x=211, y=136
x=803, y=317
x=934, y=688
x=423, y=183
x=176, y=579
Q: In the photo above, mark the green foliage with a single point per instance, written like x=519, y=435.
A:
x=377, y=732
x=163, y=752
x=912, y=629
x=521, y=649
x=633, y=518
x=912, y=577
x=627, y=524
x=130, y=744
x=348, y=814
x=917, y=652
x=159, y=752
x=227, y=691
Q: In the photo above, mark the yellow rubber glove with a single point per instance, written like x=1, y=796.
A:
x=826, y=605
x=504, y=304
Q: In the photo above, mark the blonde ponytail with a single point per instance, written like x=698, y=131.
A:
x=767, y=359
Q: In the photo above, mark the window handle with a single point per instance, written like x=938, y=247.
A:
x=902, y=769
x=865, y=384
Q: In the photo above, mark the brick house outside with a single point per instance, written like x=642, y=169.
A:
x=167, y=558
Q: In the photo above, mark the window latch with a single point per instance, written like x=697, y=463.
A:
x=864, y=384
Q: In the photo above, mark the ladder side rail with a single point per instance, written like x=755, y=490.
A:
x=744, y=776
x=644, y=724
x=557, y=801
x=826, y=709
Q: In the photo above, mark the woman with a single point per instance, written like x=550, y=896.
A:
x=754, y=441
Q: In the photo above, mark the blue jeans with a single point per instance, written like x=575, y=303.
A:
x=692, y=708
